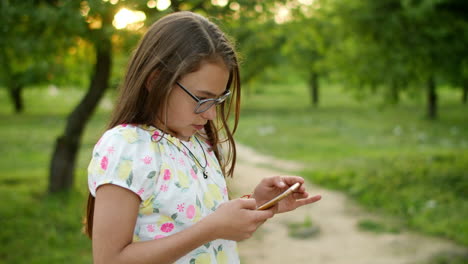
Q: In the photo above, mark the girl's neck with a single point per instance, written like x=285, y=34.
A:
x=166, y=130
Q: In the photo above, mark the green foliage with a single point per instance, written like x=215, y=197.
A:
x=377, y=227
x=388, y=158
x=427, y=191
x=303, y=230
x=449, y=258
x=398, y=43
x=37, y=227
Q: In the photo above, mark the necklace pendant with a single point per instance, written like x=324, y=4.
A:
x=205, y=174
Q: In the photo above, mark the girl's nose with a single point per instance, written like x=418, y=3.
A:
x=210, y=114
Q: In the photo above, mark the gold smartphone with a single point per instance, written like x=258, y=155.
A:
x=280, y=197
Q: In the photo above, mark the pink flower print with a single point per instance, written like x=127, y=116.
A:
x=190, y=211
x=164, y=188
x=110, y=149
x=167, y=174
x=99, y=142
x=94, y=184
x=141, y=191
x=155, y=136
x=225, y=190
x=194, y=175
x=150, y=228
x=158, y=237
x=167, y=227
x=104, y=163
x=147, y=160
x=181, y=162
x=124, y=125
x=180, y=207
x=172, y=156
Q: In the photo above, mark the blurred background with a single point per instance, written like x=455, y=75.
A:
x=371, y=96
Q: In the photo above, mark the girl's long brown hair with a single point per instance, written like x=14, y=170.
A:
x=176, y=45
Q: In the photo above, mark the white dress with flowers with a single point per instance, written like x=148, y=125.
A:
x=174, y=195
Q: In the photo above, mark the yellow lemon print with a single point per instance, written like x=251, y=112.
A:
x=184, y=180
x=125, y=167
x=130, y=135
x=147, y=206
x=216, y=192
x=203, y=258
x=94, y=166
x=163, y=219
x=208, y=200
x=222, y=258
x=197, y=215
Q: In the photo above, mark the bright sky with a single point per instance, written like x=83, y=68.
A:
x=130, y=19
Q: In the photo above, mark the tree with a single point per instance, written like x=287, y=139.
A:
x=398, y=43
x=98, y=17
x=306, y=44
x=25, y=60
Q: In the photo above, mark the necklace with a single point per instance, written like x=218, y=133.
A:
x=192, y=156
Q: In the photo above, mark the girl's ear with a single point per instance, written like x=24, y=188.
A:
x=150, y=79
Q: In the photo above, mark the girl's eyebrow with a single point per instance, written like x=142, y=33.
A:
x=209, y=94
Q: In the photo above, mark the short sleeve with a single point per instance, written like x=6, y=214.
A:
x=125, y=156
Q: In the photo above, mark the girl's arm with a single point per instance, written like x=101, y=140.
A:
x=115, y=216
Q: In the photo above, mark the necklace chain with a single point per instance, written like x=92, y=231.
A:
x=192, y=156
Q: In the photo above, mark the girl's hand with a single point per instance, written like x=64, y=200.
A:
x=270, y=187
x=236, y=220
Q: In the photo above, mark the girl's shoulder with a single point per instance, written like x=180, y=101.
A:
x=128, y=134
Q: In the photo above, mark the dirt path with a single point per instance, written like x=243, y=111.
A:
x=339, y=241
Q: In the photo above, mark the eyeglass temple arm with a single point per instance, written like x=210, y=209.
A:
x=188, y=92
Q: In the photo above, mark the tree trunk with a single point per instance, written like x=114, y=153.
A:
x=63, y=160
x=395, y=92
x=314, y=88
x=16, y=97
x=465, y=92
x=431, y=99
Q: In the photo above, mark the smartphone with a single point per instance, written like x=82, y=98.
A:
x=280, y=197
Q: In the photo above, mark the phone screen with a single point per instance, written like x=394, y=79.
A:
x=280, y=197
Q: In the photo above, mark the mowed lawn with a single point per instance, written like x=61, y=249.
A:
x=387, y=157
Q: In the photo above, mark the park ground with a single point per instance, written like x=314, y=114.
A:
x=333, y=237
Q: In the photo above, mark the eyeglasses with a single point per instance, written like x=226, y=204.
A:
x=205, y=104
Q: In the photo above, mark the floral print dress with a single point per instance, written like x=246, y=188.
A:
x=174, y=195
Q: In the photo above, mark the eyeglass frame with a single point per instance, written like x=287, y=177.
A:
x=217, y=101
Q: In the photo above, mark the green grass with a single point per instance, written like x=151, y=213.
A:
x=389, y=158
x=37, y=227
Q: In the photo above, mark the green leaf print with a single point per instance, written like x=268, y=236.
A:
x=195, y=169
x=207, y=245
x=198, y=203
x=220, y=248
x=156, y=210
x=192, y=261
x=174, y=216
x=214, y=206
x=178, y=185
x=151, y=174
x=130, y=179
x=215, y=251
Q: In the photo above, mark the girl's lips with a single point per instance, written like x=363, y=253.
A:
x=198, y=127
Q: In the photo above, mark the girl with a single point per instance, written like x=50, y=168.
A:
x=157, y=190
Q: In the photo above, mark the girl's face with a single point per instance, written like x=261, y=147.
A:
x=180, y=119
